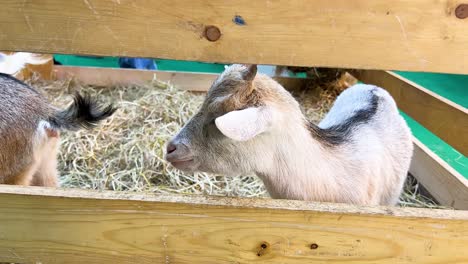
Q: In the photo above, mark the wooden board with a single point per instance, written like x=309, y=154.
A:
x=445, y=184
x=39, y=225
x=197, y=82
x=413, y=35
x=442, y=117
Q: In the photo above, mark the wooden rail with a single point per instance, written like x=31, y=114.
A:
x=40, y=225
x=416, y=35
x=444, y=183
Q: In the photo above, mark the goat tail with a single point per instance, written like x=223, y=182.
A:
x=85, y=112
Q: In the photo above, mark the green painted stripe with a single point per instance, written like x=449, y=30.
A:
x=453, y=87
x=104, y=62
x=189, y=66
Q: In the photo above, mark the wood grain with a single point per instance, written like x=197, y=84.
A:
x=413, y=35
x=447, y=186
x=77, y=226
x=191, y=81
x=442, y=117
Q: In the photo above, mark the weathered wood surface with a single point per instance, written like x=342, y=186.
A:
x=415, y=35
x=442, y=117
x=39, y=225
x=444, y=183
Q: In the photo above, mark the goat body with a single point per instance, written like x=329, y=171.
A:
x=359, y=154
x=30, y=131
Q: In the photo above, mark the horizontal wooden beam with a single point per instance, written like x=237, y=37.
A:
x=198, y=82
x=444, y=183
x=417, y=35
x=40, y=225
x=442, y=117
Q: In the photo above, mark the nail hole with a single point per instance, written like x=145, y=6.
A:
x=461, y=11
x=212, y=33
x=313, y=246
x=263, y=245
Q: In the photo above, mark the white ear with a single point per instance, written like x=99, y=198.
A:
x=245, y=124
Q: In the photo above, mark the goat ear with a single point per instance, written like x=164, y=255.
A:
x=250, y=72
x=245, y=124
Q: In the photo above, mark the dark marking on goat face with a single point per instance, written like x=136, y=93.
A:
x=339, y=134
x=238, y=20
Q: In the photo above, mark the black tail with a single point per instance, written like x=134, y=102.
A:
x=84, y=112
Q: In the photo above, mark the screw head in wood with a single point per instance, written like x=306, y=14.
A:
x=212, y=33
x=461, y=11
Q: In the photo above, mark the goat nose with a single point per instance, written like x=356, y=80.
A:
x=171, y=147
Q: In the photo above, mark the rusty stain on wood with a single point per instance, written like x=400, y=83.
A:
x=461, y=11
x=212, y=33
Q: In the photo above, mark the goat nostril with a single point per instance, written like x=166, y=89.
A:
x=171, y=148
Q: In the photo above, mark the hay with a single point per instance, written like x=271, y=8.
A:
x=126, y=152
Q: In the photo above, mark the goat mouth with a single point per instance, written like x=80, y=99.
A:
x=183, y=164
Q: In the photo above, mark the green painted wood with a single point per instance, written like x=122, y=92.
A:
x=455, y=159
x=453, y=87
x=71, y=60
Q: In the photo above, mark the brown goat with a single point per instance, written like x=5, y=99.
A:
x=30, y=131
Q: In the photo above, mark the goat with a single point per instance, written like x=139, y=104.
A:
x=359, y=153
x=24, y=65
x=30, y=131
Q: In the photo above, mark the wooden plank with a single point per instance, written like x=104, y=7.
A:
x=40, y=225
x=444, y=183
x=199, y=82
x=364, y=34
x=447, y=120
